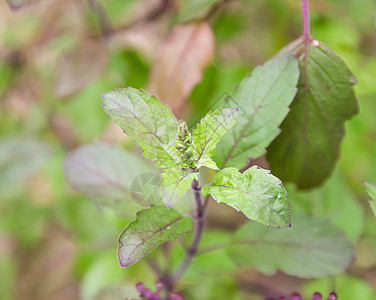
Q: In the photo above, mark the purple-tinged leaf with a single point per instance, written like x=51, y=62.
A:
x=105, y=174
x=152, y=227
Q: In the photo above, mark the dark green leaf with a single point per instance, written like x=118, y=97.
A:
x=151, y=228
x=256, y=193
x=307, y=149
x=263, y=98
x=146, y=120
x=311, y=248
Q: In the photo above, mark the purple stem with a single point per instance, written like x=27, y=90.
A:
x=199, y=228
x=306, y=34
x=305, y=12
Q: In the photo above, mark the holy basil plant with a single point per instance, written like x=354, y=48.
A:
x=223, y=141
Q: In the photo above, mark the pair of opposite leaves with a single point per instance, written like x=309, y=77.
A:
x=270, y=89
x=256, y=193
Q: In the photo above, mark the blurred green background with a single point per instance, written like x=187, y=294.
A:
x=58, y=57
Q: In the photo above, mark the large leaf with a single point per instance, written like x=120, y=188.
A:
x=371, y=190
x=308, y=147
x=147, y=121
x=263, y=98
x=105, y=174
x=151, y=228
x=210, y=131
x=256, y=193
x=179, y=63
x=311, y=248
x=20, y=158
x=174, y=184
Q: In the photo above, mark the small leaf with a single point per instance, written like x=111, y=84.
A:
x=152, y=227
x=256, y=193
x=371, y=190
x=263, y=98
x=174, y=184
x=311, y=248
x=210, y=131
x=104, y=174
x=147, y=121
x=179, y=63
x=308, y=147
x=20, y=158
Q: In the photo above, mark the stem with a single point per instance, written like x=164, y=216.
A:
x=305, y=13
x=199, y=228
x=306, y=34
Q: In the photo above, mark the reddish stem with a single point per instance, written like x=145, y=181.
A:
x=199, y=228
x=306, y=34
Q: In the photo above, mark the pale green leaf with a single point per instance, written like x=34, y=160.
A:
x=263, y=98
x=146, y=120
x=371, y=190
x=256, y=193
x=311, y=248
x=308, y=147
x=210, y=131
x=152, y=227
x=173, y=152
x=174, y=184
x=105, y=174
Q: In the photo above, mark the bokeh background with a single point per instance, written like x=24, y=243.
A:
x=58, y=57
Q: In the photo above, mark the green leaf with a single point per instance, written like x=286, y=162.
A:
x=174, y=184
x=146, y=120
x=105, y=174
x=263, y=98
x=210, y=131
x=151, y=228
x=308, y=147
x=371, y=190
x=311, y=248
x=173, y=152
x=256, y=193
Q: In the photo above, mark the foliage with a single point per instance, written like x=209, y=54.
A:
x=295, y=114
